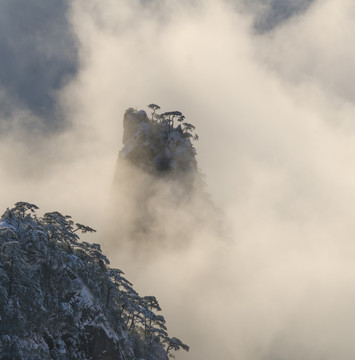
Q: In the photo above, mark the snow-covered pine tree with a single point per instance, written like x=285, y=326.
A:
x=60, y=299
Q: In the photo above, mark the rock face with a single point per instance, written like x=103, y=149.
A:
x=157, y=146
x=60, y=299
x=158, y=196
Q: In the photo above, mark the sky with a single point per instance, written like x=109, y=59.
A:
x=270, y=88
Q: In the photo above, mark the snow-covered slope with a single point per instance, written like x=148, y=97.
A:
x=59, y=298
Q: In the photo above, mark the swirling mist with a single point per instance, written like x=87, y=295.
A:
x=274, y=109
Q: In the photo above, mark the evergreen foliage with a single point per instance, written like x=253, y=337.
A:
x=168, y=118
x=60, y=299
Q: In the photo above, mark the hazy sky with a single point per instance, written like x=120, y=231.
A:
x=270, y=87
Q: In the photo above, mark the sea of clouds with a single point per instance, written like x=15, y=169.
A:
x=274, y=108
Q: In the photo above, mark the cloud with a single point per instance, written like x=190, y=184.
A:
x=274, y=114
x=38, y=54
x=273, y=13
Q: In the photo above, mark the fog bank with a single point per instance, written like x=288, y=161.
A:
x=274, y=113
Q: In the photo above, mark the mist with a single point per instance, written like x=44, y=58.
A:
x=274, y=111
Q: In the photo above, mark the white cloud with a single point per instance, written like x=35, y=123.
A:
x=275, y=117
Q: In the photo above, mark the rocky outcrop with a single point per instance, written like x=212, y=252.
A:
x=157, y=146
x=158, y=196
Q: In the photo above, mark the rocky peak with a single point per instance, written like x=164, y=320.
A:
x=158, y=195
x=160, y=144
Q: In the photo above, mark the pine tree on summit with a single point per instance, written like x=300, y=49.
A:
x=169, y=117
x=154, y=107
